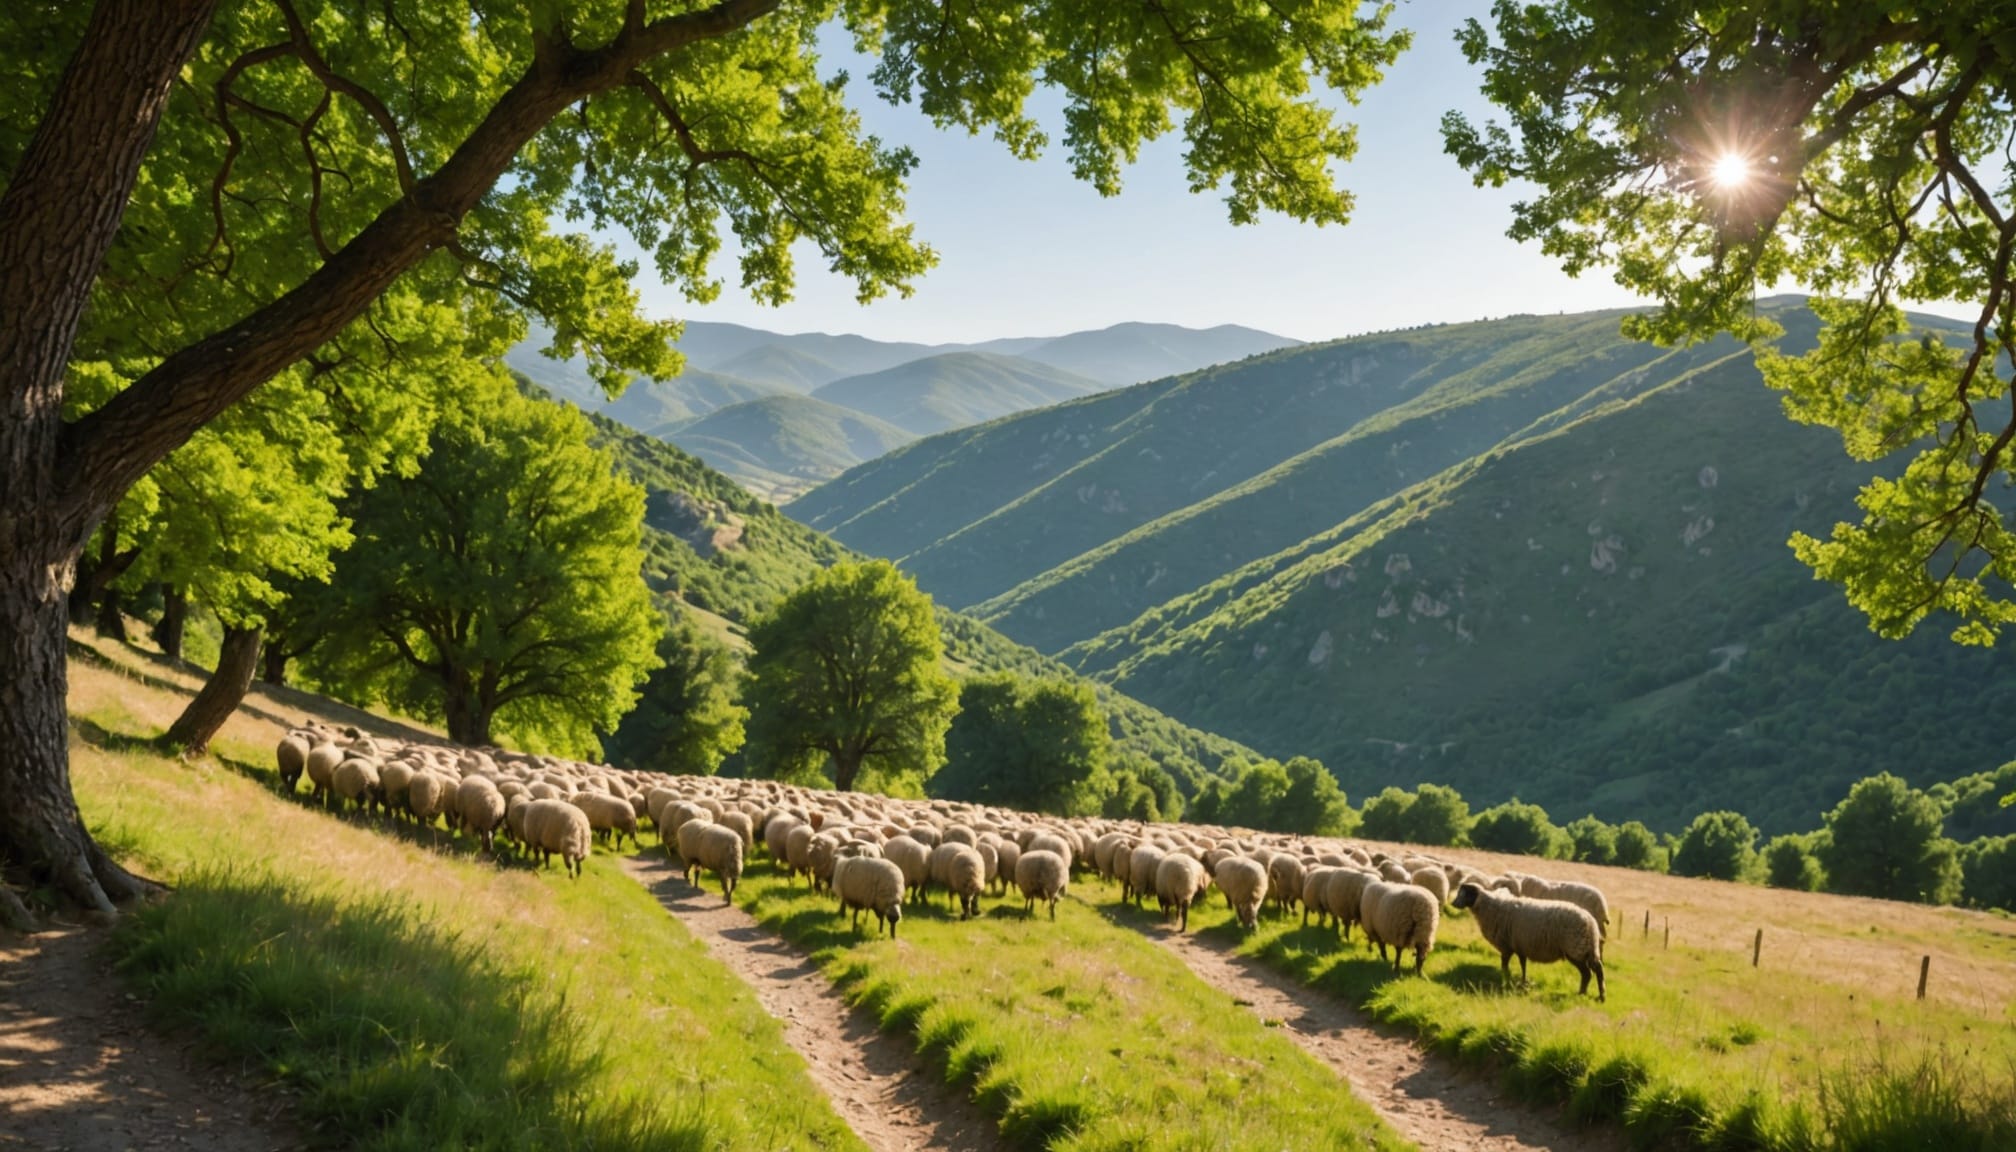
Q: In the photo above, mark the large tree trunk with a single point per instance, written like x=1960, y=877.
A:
x=273, y=663
x=174, y=618
x=846, y=767
x=111, y=615
x=237, y=659
x=111, y=622
x=467, y=715
x=58, y=215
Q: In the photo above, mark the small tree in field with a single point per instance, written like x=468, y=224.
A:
x=846, y=673
x=1037, y=745
x=1718, y=845
x=1789, y=863
x=1884, y=839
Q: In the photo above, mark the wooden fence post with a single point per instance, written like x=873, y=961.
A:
x=1924, y=971
x=1648, y=924
x=1669, y=933
x=1757, y=948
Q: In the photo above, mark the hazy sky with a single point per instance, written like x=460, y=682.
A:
x=1027, y=250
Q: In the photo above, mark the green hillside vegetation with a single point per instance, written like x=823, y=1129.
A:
x=1130, y=353
x=954, y=390
x=646, y=405
x=781, y=366
x=780, y=445
x=709, y=344
x=1520, y=557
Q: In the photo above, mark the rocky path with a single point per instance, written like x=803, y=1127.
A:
x=876, y=1082
x=80, y=1072
x=1428, y=1099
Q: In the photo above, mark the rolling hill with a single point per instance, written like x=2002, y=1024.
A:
x=1130, y=353
x=781, y=445
x=646, y=405
x=955, y=389
x=1521, y=557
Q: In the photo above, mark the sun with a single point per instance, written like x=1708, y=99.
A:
x=1730, y=171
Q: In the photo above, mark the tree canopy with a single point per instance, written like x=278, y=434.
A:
x=500, y=584
x=1701, y=151
x=1885, y=839
x=1718, y=845
x=1037, y=745
x=687, y=718
x=846, y=678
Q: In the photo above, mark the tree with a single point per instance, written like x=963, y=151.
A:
x=315, y=154
x=846, y=675
x=1142, y=789
x=1432, y=814
x=500, y=586
x=1314, y=805
x=1637, y=847
x=1520, y=828
x=1718, y=845
x=1037, y=745
x=1885, y=839
x=1856, y=150
x=1594, y=841
x=686, y=720
x=1789, y=862
x=1385, y=815
x=1990, y=869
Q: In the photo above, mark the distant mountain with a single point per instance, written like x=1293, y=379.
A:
x=778, y=446
x=646, y=405
x=1525, y=557
x=782, y=367
x=956, y=389
x=709, y=344
x=1131, y=353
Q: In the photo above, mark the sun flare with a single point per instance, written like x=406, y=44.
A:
x=1730, y=171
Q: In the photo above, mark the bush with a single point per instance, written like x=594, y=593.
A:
x=1718, y=845
x=1595, y=842
x=1432, y=814
x=1789, y=862
x=1884, y=839
x=1637, y=847
x=1522, y=829
x=1990, y=869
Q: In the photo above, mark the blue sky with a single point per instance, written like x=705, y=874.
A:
x=1027, y=250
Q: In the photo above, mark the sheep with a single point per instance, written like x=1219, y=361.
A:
x=1584, y=896
x=1141, y=866
x=798, y=850
x=356, y=780
x=1539, y=930
x=777, y=835
x=1433, y=879
x=912, y=858
x=321, y=768
x=394, y=779
x=871, y=884
x=607, y=814
x=1343, y=894
x=292, y=758
x=959, y=868
x=1007, y=853
x=1180, y=881
x=1314, y=887
x=743, y=826
x=1394, y=873
x=1051, y=840
x=714, y=847
x=1041, y=875
x=1284, y=879
x=1401, y=915
x=1244, y=882
x=556, y=826
x=480, y=809
x=427, y=796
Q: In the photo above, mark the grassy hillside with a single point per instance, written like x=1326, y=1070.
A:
x=781, y=366
x=955, y=389
x=647, y=405
x=1130, y=353
x=781, y=445
x=1521, y=557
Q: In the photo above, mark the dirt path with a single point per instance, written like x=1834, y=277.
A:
x=80, y=1072
x=1427, y=1098
x=876, y=1082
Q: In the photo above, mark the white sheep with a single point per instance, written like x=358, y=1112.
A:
x=714, y=847
x=1141, y=866
x=479, y=807
x=959, y=868
x=1041, y=875
x=557, y=826
x=913, y=858
x=608, y=814
x=1587, y=897
x=1285, y=873
x=871, y=884
x=1543, y=931
x=1343, y=897
x=292, y=757
x=1244, y=882
x=1180, y=881
x=1401, y=915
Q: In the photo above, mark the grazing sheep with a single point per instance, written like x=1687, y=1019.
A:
x=321, y=769
x=427, y=797
x=743, y=826
x=557, y=826
x=777, y=836
x=1179, y=882
x=913, y=859
x=1343, y=895
x=871, y=884
x=1401, y=915
x=1052, y=841
x=607, y=814
x=1584, y=896
x=1434, y=880
x=1008, y=853
x=1244, y=882
x=714, y=847
x=480, y=809
x=798, y=850
x=1315, y=886
x=1141, y=866
x=394, y=778
x=356, y=781
x=1394, y=873
x=1543, y=931
x=1041, y=875
x=959, y=868
x=1285, y=874
x=292, y=757
x=957, y=834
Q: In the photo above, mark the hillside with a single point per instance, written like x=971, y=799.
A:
x=781, y=445
x=955, y=389
x=1130, y=353
x=646, y=405
x=714, y=546
x=1521, y=557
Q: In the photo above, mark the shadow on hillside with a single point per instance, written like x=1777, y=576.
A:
x=383, y=1024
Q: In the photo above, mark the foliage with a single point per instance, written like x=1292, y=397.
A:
x=1870, y=138
x=846, y=678
x=499, y=583
x=1037, y=745
x=1521, y=829
x=1300, y=796
x=1989, y=869
x=1638, y=848
x=1970, y=805
x=1142, y=790
x=1592, y=841
x=1884, y=839
x=1718, y=845
x=687, y=719
x=1790, y=862
x=779, y=446
x=1431, y=814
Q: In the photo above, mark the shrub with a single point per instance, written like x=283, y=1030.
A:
x=1637, y=847
x=1884, y=839
x=1990, y=869
x=1789, y=863
x=1520, y=828
x=1718, y=845
x=1594, y=841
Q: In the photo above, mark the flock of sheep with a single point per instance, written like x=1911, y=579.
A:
x=876, y=854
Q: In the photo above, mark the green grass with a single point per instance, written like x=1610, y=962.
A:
x=1078, y=1034
x=1693, y=1050
x=407, y=998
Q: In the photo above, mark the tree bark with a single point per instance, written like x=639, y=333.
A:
x=111, y=619
x=174, y=617
x=237, y=659
x=845, y=768
x=273, y=664
x=467, y=715
x=58, y=215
